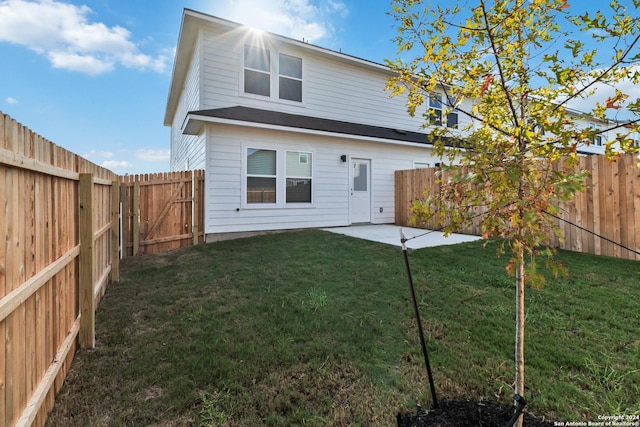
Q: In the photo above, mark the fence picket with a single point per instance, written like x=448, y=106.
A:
x=609, y=206
x=4, y=189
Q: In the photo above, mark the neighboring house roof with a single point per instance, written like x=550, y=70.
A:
x=315, y=124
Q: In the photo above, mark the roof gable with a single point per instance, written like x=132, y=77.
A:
x=192, y=23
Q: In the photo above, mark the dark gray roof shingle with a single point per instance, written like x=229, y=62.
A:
x=268, y=117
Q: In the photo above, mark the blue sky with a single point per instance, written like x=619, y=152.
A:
x=92, y=75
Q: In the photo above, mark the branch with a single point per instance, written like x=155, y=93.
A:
x=601, y=76
x=621, y=125
x=499, y=64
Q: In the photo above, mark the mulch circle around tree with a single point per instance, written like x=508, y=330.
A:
x=466, y=413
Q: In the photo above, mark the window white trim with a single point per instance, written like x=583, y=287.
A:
x=597, y=139
x=421, y=165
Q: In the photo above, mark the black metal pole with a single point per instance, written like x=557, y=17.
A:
x=520, y=404
x=403, y=240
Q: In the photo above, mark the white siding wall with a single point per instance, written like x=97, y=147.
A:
x=593, y=148
x=224, y=208
x=187, y=151
x=333, y=88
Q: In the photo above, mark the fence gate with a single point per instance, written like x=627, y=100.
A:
x=161, y=212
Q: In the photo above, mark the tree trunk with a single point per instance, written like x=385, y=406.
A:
x=519, y=350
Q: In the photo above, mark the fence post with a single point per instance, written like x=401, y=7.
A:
x=115, y=231
x=126, y=215
x=195, y=206
x=136, y=216
x=87, y=262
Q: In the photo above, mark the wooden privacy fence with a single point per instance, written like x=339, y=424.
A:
x=162, y=211
x=610, y=206
x=62, y=220
x=58, y=211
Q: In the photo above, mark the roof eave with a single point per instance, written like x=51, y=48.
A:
x=184, y=50
x=195, y=125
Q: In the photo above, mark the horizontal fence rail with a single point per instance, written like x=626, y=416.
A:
x=602, y=220
x=54, y=266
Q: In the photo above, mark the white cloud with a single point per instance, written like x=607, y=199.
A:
x=64, y=34
x=116, y=164
x=605, y=91
x=142, y=159
x=11, y=100
x=299, y=19
x=151, y=155
x=92, y=154
x=81, y=63
x=338, y=7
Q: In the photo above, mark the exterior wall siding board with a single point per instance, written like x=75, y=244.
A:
x=211, y=87
x=354, y=88
x=188, y=148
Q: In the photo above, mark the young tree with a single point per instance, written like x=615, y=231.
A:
x=518, y=64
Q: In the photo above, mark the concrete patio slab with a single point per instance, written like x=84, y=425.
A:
x=390, y=234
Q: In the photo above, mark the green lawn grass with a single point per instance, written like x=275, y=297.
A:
x=314, y=328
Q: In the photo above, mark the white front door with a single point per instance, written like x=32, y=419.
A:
x=360, y=189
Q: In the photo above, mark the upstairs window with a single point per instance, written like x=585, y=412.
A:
x=259, y=66
x=435, y=113
x=257, y=71
x=290, y=78
x=597, y=140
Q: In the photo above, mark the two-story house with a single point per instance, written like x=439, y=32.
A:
x=291, y=135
